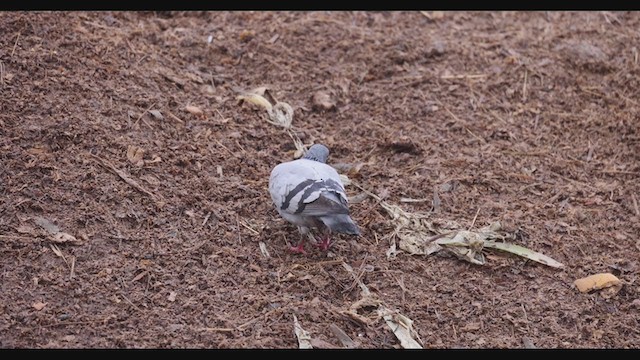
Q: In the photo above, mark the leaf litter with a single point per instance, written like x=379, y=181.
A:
x=419, y=236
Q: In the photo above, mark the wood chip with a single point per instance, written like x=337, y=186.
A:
x=597, y=282
x=194, y=110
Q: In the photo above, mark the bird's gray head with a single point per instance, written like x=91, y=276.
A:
x=317, y=152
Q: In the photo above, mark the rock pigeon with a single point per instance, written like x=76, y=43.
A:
x=309, y=194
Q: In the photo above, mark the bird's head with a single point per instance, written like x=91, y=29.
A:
x=317, y=152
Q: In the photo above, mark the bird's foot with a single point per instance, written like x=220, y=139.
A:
x=325, y=243
x=298, y=249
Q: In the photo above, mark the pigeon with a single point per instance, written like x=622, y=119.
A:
x=309, y=194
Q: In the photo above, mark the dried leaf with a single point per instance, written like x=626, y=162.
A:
x=63, y=237
x=194, y=110
x=255, y=99
x=343, y=337
x=39, y=305
x=597, y=282
x=410, y=200
x=135, y=155
x=56, y=250
x=321, y=344
x=247, y=35
x=323, y=102
x=466, y=245
x=401, y=326
x=172, y=296
x=156, y=159
x=24, y=229
x=140, y=276
x=263, y=249
x=169, y=75
x=304, y=339
x=392, y=251
x=156, y=114
x=524, y=252
x=349, y=169
x=46, y=224
x=194, y=77
x=280, y=113
x=356, y=199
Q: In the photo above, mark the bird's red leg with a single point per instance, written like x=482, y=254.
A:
x=325, y=243
x=298, y=249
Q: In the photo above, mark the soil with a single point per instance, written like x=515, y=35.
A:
x=135, y=211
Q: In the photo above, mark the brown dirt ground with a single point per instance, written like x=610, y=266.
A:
x=529, y=118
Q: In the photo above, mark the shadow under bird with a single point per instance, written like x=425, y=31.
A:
x=309, y=194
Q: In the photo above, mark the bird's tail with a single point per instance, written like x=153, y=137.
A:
x=341, y=223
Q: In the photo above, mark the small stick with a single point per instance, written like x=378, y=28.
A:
x=129, y=301
x=474, y=219
x=217, y=329
x=249, y=227
x=141, y=115
x=524, y=87
x=238, y=227
x=124, y=177
x=73, y=267
x=224, y=147
x=619, y=172
x=176, y=118
x=17, y=237
x=206, y=218
x=466, y=76
x=75, y=322
x=241, y=327
x=15, y=45
x=635, y=204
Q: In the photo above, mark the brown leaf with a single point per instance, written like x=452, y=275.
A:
x=63, y=237
x=50, y=227
x=169, y=75
x=349, y=169
x=135, y=155
x=140, y=276
x=156, y=114
x=471, y=327
x=247, y=35
x=194, y=110
x=24, y=229
x=39, y=305
x=194, y=77
x=323, y=102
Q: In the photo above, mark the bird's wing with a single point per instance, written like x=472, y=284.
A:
x=307, y=188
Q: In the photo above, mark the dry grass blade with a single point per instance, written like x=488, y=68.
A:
x=127, y=179
x=56, y=235
x=263, y=249
x=466, y=245
x=343, y=337
x=58, y=252
x=304, y=339
x=524, y=252
x=300, y=148
x=50, y=227
x=401, y=326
